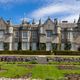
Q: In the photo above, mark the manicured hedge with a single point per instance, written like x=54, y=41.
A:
x=66, y=52
x=25, y=53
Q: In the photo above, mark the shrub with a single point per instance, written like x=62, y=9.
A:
x=33, y=62
x=66, y=52
x=25, y=52
x=49, y=79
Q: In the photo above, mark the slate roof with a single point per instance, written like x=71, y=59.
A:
x=67, y=25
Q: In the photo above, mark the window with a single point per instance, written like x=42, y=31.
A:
x=34, y=34
x=48, y=46
x=25, y=46
x=16, y=34
x=1, y=34
x=25, y=35
x=6, y=46
x=34, y=46
x=49, y=33
x=15, y=46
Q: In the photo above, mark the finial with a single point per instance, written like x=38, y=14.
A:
x=33, y=22
x=23, y=21
x=48, y=17
x=74, y=21
x=39, y=21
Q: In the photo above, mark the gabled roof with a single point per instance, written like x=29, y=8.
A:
x=1, y=19
x=47, y=21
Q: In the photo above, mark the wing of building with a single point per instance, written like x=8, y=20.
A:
x=51, y=35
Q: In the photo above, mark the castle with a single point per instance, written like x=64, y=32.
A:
x=51, y=35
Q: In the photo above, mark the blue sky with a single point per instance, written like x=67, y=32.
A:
x=16, y=10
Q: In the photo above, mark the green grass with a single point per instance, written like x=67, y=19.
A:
x=11, y=70
x=64, y=63
x=50, y=71
x=46, y=71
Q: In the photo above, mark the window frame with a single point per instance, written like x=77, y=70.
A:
x=23, y=34
x=49, y=33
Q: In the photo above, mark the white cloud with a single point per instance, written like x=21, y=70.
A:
x=48, y=10
x=26, y=19
x=71, y=18
x=72, y=7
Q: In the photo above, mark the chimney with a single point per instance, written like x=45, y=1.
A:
x=64, y=21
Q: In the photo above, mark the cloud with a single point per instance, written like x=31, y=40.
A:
x=26, y=19
x=49, y=10
x=71, y=7
x=71, y=18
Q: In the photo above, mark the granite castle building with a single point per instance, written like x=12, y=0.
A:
x=47, y=36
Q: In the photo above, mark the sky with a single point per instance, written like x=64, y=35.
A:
x=17, y=10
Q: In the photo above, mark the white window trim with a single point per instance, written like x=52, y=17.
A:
x=23, y=36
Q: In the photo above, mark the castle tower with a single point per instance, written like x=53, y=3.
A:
x=78, y=22
x=11, y=35
x=33, y=21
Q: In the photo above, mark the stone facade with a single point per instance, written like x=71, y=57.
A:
x=47, y=36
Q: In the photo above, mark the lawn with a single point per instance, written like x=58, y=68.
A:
x=46, y=71
x=51, y=71
x=12, y=70
x=36, y=70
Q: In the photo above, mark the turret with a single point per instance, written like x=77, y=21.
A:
x=10, y=26
x=56, y=27
x=40, y=22
x=78, y=23
x=33, y=22
x=55, y=21
x=24, y=21
x=41, y=27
